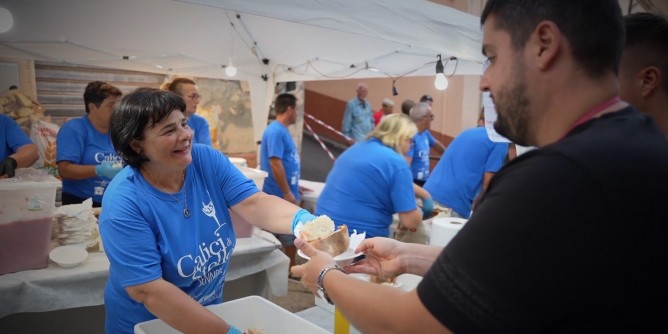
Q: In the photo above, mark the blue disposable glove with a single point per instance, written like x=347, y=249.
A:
x=108, y=170
x=234, y=330
x=427, y=207
x=301, y=217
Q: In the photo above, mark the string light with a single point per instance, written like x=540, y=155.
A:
x=441, y=81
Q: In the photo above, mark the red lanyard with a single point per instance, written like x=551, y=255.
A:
x=592, y=113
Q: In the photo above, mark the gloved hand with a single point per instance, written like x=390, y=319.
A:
x=108, y=169
x=234, y=330
x=427, y=207
x=301, y=217
x=7, y=167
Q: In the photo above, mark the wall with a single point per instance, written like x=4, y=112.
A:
x=455, y=109
x=26, y=76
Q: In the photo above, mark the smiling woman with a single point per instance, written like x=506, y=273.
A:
x=166, y=221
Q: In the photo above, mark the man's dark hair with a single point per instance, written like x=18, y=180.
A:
x=176, y=86
x=426, y=98
x=593, y=28
x=406, y=107
x=284, y=101
x=647, y=36
x=97, y=91
x=134, y=113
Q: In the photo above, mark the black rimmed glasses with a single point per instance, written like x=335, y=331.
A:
x=194, y=97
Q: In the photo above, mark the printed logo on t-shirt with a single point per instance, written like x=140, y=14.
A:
x=206, y=265
x=112, y=158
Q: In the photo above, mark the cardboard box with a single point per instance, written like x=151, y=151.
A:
x=252, y=312
x=27, y=203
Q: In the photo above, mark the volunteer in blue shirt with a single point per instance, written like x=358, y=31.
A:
x=418, y=155
x=187, y=89
x=166, y=223
x=16, y=149
x=371, y=181
x=278, y=154
x=86, y=159
x=465, y=170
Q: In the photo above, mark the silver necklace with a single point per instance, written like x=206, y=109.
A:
x=186, y=211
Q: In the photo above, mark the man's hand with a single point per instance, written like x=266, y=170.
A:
x=383, y=258
x=7, y=167
x=309, y=271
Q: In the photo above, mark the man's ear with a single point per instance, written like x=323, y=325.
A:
x=92, y=106
x=650, y=80
x=545, y=44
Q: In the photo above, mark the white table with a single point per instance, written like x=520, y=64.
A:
x=256, y=259
x=311, y=197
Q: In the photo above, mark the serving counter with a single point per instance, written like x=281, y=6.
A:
x=258, y=267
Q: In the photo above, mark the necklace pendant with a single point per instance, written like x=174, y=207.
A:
x=186, y=212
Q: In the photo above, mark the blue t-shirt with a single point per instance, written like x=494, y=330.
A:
x=419, y=153
x=81, y=144
x=200, y=127
x=357, y=119
x=146, y=235
x=11, y=136
x=367, y=185
x=277, y=143
x=457, y=178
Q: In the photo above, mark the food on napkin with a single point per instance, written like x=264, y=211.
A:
x=321, y=233
x=318, y=228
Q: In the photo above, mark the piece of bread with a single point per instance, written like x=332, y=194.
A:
x=318, y=228
x=334, y=243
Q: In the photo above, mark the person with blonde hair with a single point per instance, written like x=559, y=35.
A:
x=371, y=181
x=188, y=91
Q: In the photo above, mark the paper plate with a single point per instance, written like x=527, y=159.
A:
x=342, y=259
x=68, y=256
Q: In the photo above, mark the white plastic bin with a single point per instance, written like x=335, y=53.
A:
x=252, y=312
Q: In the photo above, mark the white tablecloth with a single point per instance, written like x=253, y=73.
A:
x=55, y=288
x=311, y=197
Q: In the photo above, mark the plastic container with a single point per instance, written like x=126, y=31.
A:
x=252, y=312
x=257, y=175
x=27, y=204
x=239, y=162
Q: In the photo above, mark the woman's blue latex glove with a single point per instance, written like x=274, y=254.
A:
x=108, y=169
x=427, y=207
x=301, y=217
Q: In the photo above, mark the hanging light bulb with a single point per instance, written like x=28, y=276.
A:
x=230, y=70
x=441, y=82
x=6, y=20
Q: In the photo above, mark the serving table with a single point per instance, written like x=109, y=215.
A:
x=257, y=267
x=310, y=197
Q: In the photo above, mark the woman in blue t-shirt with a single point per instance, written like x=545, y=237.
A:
x=166, y=224
x=371, y=181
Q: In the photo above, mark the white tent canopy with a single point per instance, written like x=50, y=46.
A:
x=268, y=41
